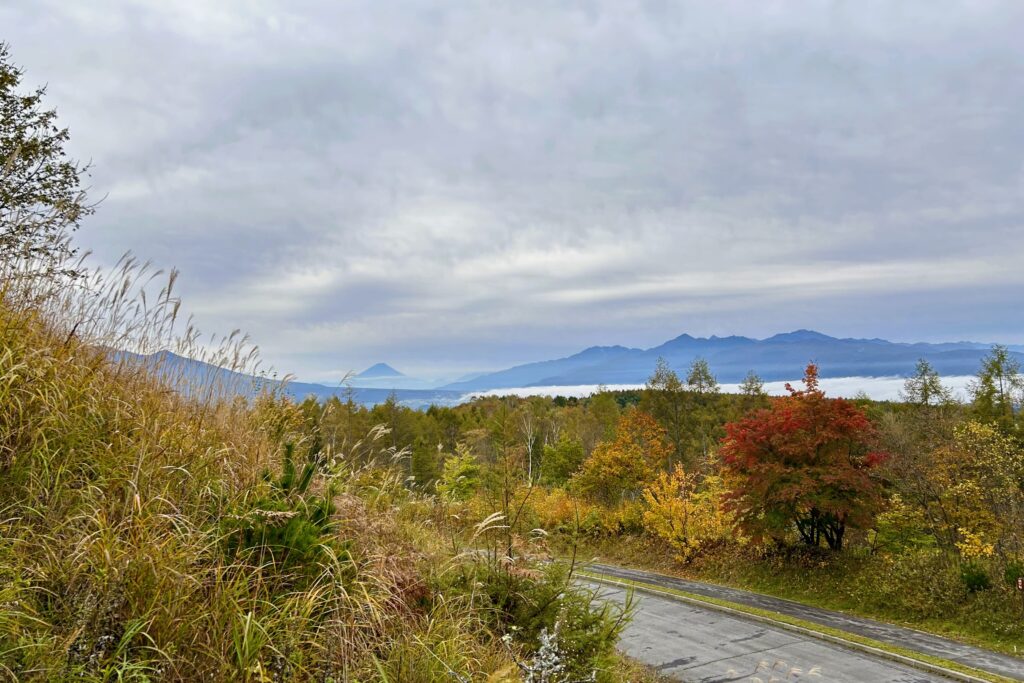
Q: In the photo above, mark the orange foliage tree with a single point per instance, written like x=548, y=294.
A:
x=619, y=469
x=805, y=461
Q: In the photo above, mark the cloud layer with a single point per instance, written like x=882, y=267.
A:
x=460, y=186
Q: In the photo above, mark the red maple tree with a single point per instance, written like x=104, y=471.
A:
x=806, y=461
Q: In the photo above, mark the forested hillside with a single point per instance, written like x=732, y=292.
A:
x=909, y=511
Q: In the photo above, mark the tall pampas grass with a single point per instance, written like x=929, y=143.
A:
x=120, y=466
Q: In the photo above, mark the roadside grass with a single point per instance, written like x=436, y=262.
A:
x=635, y=672
x=832, y=633
x=114, y=555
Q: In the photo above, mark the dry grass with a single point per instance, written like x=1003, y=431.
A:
x=144, y=504
x=117, y=475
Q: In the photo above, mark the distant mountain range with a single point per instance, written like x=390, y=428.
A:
x=199, y=377
x=781, y=357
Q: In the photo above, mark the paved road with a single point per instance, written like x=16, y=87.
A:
x=978, y=658
x=696, y=645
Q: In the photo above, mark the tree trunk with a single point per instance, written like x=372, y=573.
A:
x=810, y=528
x=834, y=530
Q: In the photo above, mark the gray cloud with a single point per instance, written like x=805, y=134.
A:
x=458, y=186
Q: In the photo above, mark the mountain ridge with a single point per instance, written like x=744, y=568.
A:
x=779, y=357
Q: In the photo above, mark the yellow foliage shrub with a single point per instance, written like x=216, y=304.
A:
x=556, y=508
x=689, y=517
x=972, y=546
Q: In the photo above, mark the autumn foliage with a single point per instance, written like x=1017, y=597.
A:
x=806, y=461
x=620, y=469
x=686, y=512
x=974, y=484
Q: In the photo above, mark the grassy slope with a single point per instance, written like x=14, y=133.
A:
x=111, y=557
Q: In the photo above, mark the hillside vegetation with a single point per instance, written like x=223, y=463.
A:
x=148, y=534
x=158, y=525
x=909, y=511
x=154, y=527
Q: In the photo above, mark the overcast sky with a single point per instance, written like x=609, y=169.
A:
x=459, y=186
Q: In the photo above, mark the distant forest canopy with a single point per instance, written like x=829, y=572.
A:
x=906, y=510
x=690, y=408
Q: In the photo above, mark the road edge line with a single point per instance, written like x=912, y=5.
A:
x=739, y=611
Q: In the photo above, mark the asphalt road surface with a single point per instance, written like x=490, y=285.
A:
x=691, y=644
x=917, y=641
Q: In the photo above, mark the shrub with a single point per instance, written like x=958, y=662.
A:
x=542, y=609
x=555, y=509
x=975, y=578
x=1013, y=570
x=289, y=527
x=901, y=527
x=920, y=583
x=546, y=602
x=599, y=521
x=687, y=518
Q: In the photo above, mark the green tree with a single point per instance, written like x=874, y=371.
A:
x=389, y=413
x=447, y=420
x=925, y=388
x=603, y=409
x=561, y=460
x=997, y=390
x=41, y=198
x=665, y=399
x=752, y=385
x=704, y=386
x=424, y=463
x=460, y=476
x=752, y=393
x=699, y=378
x=502, y=429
